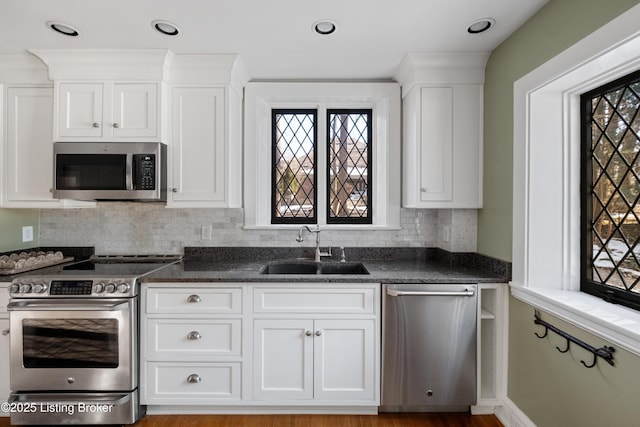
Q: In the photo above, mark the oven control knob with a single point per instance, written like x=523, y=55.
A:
x=14, y=288
x=39, y=288
x=110, y=288
x=25, y=288
x=123, y=288
x=98, y=288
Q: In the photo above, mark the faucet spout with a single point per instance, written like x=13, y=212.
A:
x=299, y=239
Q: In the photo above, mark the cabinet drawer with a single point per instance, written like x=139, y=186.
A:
x=179, y=339
x=194, y=300
x=313, y=300
x=192, y=383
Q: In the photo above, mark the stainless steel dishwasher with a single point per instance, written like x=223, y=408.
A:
x=429, y=347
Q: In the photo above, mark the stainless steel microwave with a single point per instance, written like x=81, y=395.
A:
x=110, y=171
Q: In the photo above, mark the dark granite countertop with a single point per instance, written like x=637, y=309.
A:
x=385, y=265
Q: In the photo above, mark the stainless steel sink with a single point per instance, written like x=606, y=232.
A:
x=309, y=267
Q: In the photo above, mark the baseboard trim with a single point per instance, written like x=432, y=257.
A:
x=511, y=416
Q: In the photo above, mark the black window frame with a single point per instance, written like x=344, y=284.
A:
x=352, y=220
x=293, y=220
x=588, y=285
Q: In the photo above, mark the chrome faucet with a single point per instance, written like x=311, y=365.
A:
x=318, y=254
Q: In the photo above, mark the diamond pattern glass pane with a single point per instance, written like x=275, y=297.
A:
x=614, y=217
x=349, y=160
x=294, y=171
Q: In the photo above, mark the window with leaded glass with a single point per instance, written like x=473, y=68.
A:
x=343, y=185
x=294, y=167
x=348, y=153
x=611, y=191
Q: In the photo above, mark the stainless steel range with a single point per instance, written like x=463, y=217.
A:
x=74, y=342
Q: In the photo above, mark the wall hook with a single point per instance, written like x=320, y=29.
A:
x=566, y=349
x=604, y=352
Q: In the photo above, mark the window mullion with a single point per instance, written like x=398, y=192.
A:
x=321, y=165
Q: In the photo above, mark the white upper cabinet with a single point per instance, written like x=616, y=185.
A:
x=442, y=130
x=205, y=128
x=28, y=159
x=109, y=111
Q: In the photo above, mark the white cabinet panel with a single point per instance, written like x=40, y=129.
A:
x=134, y=110
x=107, y=111
x=442, y=147
x=194, y=300
x=185, y=339
x=193, y=383
x=344, y=359
x=199, y=163
x=436, y=143
x=80, y=110
x=313, y=300
x=283, y=359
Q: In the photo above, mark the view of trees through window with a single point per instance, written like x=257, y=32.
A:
x=612, y=191
x=296, y=185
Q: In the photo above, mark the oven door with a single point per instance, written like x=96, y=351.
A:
x=70, y=345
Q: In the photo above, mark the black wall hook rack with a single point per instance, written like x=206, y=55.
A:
x=604, y=352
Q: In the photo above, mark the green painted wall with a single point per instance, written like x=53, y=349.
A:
x=555, y=27
x=11, y=223
x=553, y=389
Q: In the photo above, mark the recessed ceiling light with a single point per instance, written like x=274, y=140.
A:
x=62, y=28
x=165, y=27
x=481, y=25
x=324, y=27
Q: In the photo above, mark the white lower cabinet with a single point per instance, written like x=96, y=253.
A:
x=191, y=351
x=225, y=347
x=320, y=360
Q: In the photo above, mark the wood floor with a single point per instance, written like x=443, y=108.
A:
x=382, y=420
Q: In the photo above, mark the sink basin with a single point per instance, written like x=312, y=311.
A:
x=309, y=267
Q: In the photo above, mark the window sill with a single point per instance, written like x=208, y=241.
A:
x=614, y=323
x=325, y=227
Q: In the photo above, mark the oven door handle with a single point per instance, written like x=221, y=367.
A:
x=67, y=305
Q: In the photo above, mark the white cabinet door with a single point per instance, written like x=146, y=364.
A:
x=134, y=111
x=436, y=144
x=442, y=150
x=80, y=110
x=4, y=362
x=283, y=360
x=28, y=165
x=199, y=158
x=107, y=111
x=344, y=360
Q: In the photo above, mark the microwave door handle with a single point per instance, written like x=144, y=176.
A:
x=130, y=172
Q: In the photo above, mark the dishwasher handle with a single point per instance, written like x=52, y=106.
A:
x=400, y=293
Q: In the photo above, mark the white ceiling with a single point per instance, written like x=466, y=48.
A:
x=274, y=37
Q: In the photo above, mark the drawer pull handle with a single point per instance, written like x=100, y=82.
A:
x=194, y=298
x=194, y=379
x=194, y=335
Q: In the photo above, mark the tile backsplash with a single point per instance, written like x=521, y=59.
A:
x=140, y=228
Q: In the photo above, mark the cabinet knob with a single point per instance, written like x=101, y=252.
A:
x=174, y=189
x=5, y=332
x=194, y=379
x=308, y=333
x=318, y=333
x=115, y=125
x=194, y=336
x=95, y=125
x=424, y=190
x=194, y=299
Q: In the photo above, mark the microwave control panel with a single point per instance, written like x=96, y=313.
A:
x=144, y=172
